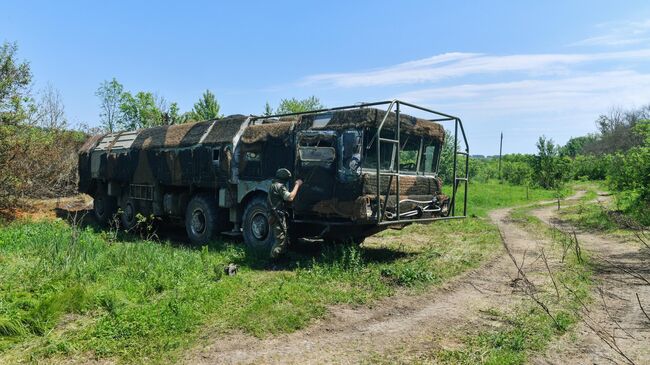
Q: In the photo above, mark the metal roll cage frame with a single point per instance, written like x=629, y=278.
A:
x=438, y=117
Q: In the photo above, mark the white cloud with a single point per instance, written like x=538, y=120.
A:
x=455, y=65
x=581, y=93
x=619, y=34
x=525, y=109
x=524, y=95
x=553, y=106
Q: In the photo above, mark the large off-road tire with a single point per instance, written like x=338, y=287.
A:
x=104, y=206
x=202, y=219
x=258, y=233
x=128, y=214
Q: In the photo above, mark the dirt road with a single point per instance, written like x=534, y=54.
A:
x=408, y=328
x=622, y=269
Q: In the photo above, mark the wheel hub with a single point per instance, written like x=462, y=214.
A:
x=198, y=222
x=260, y=226
x=128, y=212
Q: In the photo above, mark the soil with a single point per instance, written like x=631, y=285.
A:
x=615, y=315
x=406, y=328
x=37, y=209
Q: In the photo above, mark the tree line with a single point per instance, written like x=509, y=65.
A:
x=122, y=110
x=618, y=153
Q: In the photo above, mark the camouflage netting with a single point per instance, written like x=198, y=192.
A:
x=181, y=135
x=262, y=132
x=409, y=185
x=90, y=143
x=225, y=129
x=371, y=117
x=189, y=134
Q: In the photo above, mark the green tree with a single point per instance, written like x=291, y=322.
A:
x=630, y=171
x=268, y=111
x=517, y=172
x=446, y=166
x=207, y=108
x=110, y=96
x=294, y=105
x=642, y=129
x=174, y=116
x=551, y=170
x=139, y=111
x=575, y=146
x=15, y=78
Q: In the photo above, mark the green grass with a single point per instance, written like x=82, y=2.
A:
x=484, y=197
x=610, y=217
x=591, y=215
x=140, y=301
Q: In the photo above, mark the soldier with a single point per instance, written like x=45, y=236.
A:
x=278, y=195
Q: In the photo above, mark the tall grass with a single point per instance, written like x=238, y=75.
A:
x=67, y=292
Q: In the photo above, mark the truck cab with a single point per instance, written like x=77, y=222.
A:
x=364, y=169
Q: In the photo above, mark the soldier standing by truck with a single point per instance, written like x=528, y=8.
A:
x=278, y=196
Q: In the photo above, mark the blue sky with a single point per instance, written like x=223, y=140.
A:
x=524, y=68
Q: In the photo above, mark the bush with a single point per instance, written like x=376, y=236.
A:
x=589, y=167
x=551, y=170
x=631, y=172
x=517, y=172
x=37, y=162
x=483, y=169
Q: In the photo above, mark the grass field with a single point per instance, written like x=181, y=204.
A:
x=67, y=292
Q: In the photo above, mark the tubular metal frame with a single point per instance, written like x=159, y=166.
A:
x=438, y=117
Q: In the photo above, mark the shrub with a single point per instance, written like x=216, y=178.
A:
x=37, y=162
x=517, y=172
x=590, y=167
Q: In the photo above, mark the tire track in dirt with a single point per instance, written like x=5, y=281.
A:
x=615, y=309
x=416, y=324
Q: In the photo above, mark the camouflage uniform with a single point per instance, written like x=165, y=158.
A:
x=278, y=196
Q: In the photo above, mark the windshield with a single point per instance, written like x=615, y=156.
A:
x=317, y=149
x=418, y=155
x=350, y=162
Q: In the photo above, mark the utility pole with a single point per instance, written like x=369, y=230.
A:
x=500, y=152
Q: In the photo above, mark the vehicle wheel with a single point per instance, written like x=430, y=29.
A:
x=258, y=234
x=201, y=219
x=128, y=216
x=104, y=206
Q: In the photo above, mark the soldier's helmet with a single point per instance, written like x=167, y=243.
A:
x=283, y=174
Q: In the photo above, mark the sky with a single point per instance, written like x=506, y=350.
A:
x=522, y=68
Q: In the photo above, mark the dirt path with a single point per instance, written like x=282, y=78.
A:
x=615, y=311
x=403, y=327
